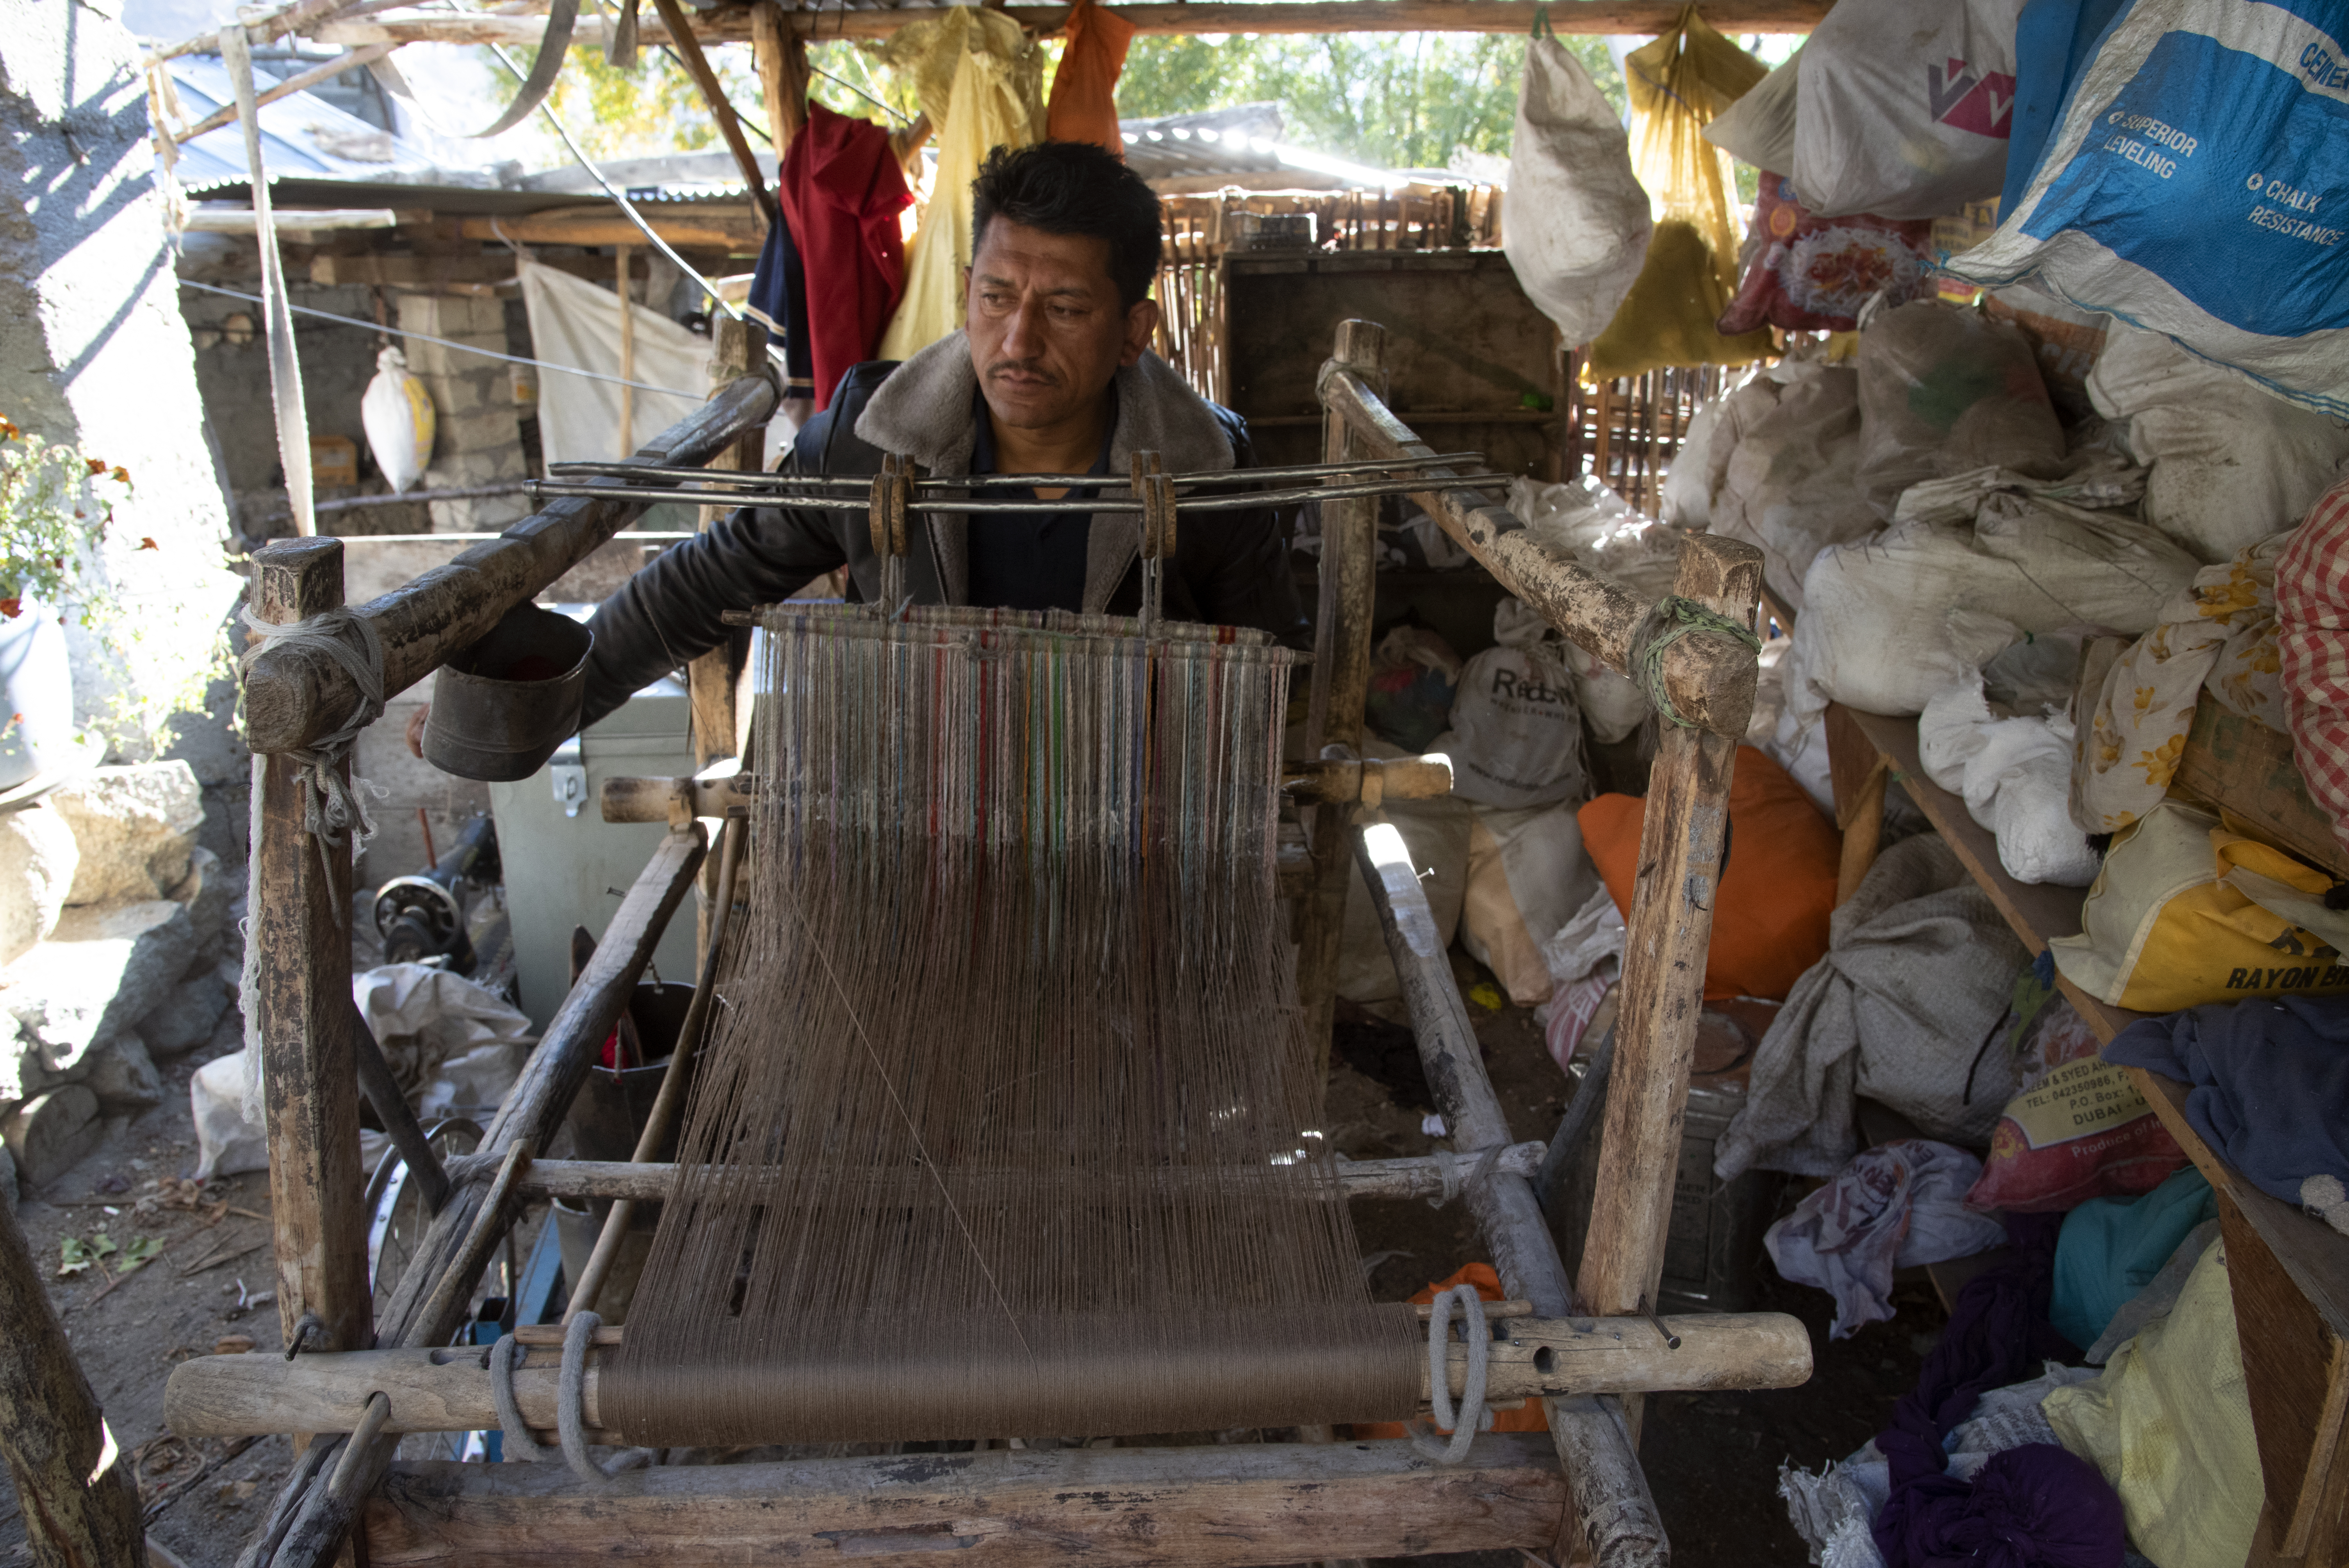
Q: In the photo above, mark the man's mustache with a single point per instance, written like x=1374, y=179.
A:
x=1024, y=366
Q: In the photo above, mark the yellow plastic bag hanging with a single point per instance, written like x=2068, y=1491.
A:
x=1678, y=83
x=981, y=82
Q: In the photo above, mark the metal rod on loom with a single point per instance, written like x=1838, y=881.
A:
x=976, y=481
x=540, y=490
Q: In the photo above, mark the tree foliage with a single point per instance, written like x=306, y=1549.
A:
x=1396, y=101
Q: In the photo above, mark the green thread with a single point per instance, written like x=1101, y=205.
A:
x=1542, y=28
x=1673, y=619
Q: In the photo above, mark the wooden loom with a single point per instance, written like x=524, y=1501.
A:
x=1580, y=1496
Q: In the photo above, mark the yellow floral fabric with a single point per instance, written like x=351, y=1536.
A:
x=2219, y=635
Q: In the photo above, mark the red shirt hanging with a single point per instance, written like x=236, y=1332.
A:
x=842, y=190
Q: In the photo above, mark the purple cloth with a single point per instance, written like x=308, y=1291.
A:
x=2038, y=1504
x=1997, y=1333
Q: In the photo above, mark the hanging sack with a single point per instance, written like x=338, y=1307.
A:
x=1577, y=220
x=1516, y=736
x=1946, y=391
x=1759, y=128
x=1678, y=83
x=1526, y=877
x=2186, y=911
x=2195, y=186
x=396, y=411
x=1905, y=108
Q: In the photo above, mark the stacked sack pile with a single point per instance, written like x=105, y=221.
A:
x=2049, y=521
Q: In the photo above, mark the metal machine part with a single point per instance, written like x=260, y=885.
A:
x=422, y=918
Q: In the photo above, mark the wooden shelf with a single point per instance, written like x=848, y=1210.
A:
x=2289, y=1273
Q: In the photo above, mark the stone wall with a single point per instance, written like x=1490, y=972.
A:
x=93, y=348
x=477, y=438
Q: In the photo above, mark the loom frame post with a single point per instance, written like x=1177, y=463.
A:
x=1340, y=687
x=713, y=679
x=303, y=1012
x=1710, y=682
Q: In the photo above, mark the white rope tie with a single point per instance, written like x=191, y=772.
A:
x=570, y=1407
x=332, y=811
x=1471, y=1416
x=1448, y=1166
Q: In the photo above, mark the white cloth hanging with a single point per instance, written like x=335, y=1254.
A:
x=576, y=323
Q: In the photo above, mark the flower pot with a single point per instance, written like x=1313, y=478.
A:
x=37, y=699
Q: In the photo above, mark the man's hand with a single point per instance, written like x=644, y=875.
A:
x=416, y=729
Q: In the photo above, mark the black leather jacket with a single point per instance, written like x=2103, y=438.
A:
x=1230, y=568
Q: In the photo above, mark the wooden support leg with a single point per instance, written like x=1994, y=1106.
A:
x=1341, y=677
x=1663, y=972
x=79, y=1501
x=711, y=680
x=301, y=925
x=1860, y=772
x=1613, y=1520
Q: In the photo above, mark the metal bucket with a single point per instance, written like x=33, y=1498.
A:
x=503, y=705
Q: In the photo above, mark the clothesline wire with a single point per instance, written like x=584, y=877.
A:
x=446, y=343
x=898, y=114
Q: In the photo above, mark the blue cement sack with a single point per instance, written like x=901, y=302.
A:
x=2197, y=183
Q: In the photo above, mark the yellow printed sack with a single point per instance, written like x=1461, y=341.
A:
x=2186, y=911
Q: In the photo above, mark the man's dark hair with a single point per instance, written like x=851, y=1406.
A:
x=1073, y=187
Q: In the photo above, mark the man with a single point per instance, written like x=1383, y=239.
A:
x=1052, y=374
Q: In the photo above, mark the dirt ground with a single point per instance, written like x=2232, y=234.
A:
x=1712, y=1459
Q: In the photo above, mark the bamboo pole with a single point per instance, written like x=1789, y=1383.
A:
x=285, y=367
x=301, y=923
x=622, y=255
x=721, y=107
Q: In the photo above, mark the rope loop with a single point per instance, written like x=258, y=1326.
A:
x=1471, y=1416
x=1542, y=27
x=1372, y=376
x=332, y=811
x=570, y=1407
x=1673, y=618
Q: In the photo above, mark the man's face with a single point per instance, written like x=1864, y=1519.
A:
x=1047, y=332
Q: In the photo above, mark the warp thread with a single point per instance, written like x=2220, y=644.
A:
x=570, y=1407
x=1672, y=619
x=1471, y=1416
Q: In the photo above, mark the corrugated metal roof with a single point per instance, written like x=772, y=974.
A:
x=302, y=137
x=1227, y=141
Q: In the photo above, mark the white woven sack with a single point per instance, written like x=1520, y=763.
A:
x=1759, y=128
x=2230, y=463
x=1905, y=108
x=1577, y=224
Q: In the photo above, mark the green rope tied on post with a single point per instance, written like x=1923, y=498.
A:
x=1672, y=619
x=1542, y=28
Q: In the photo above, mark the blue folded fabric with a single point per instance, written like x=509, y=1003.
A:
x=2270, y=1083
x=2111, y=1247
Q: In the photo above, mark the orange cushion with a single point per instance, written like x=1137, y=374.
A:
x=1769, y=923
x=1531, y=1418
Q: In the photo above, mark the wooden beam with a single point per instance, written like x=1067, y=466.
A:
x=79, y=1496
x=1710, y=680
x=424, y=1310
x=649, y=1183
x=419, y=271
x=298, y=220
x=294, y=695
x=1222, y=1506
x=731, y=226
x=735, y=24
x=1340, y=688
x=779, y=54
x=301, y=921
x=721, y=107
x=432, y=1391
x=302, y=81
x=1614, y=1520
x=1670, y=931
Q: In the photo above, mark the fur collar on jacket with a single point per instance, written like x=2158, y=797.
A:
x=924, y=411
